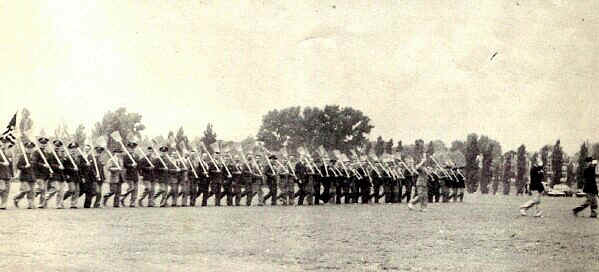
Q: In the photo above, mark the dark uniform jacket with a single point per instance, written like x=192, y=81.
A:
x=146, y=170
x=536, y=178
x=27, y=174
x=131, y=170
x=40, y=170
x=590, y=183
x=6, y=171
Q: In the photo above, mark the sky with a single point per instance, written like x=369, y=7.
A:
x=418, y=69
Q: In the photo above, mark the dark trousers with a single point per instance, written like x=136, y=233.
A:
x=215, y=191
x=193, y=191
x=376, y=192
x=204, y=192
x=115, y=190
x=590, y=201
x=405, y=191
x=89, y=190
x=338, y=194
x=326, y=191
x=316, y=191
x=228, y=192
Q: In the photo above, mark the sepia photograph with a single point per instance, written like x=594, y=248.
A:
x=261, y=135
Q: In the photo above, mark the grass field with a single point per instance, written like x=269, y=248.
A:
x=485, y=233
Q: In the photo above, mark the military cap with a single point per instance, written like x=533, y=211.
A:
x=57, y=143
x=588, y=159
x=43, y=140
x=132, y=144
x=99, y=148
x=29, y=145
x=272, y=157
x=163, y=149
x=73, y=145
x=150, y=148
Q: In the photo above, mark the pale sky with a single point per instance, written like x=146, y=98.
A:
x=418, y=69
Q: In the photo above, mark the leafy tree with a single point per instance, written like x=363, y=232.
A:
x=379, y=147
x=458, y=145
x=399, y=147
x=80, y=135
x=430, y=149
x=583, y=154
x=389, y=146
x=128, y=124
x=209, y=137
x=332, y=127
x=508, y=173
x=545, y=155
x=486, y=174
x=556, y=163
x=521, y=171
x=418, y=150
x=570, y=174
x=472, y=168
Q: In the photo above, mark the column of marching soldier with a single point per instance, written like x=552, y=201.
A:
x=67, y=172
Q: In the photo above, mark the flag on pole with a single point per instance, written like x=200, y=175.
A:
x=8, y=134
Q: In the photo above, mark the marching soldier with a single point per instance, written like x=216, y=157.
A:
x=95, y=178
x=338, y=181
x=216, y=179
x=6, y=174
x=57, y=181
x=325, y=181
x=101, y=161
x=235, y=167
x=131, y=162
x=73, y=174
x=204, y=181
x=388, y=180
x=272, y=179
x=286, y=183
x=115, y=168
x=28, y=176
x=445, y=183
x=183, y=180
x=589, y=187
x=194, y=179
x=149, y=177
x=228, y=182
x=305, y=175
x=363, y=185
x=42, y=170
x=162, y=175
x=173, y=179
x=433, y=186
x=409, y=180
x=316, y=182
x=247, y=178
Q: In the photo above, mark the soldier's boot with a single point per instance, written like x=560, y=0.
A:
x=142, y=197
x=309, y=199
x=461, y=195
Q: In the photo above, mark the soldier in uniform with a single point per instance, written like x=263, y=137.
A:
x=433, y=185
x=260, y=180
x=162, y=175
x=388, y=180
x=247, y=179
x=131, y=174
x=27, y=176
x=216, y=179
x=204, y=181
x=74, y=173
x=272, y=179
x=173, y=179
x=183, y=180
x=285, y=184
x=57, y=181
x=115, y=168
x=235, y=168
x=194, y=178
x=228, y=182
x=377, y=181
x=408, y=181
x=589, y=187
x=6, y=174
x=325, y=181
x=149, y=176
x=42, y=170
x=95, y=178
x=316, y=181
x=101, y=161
x=460, y=184
x=339, y=181
x=445, y=183
x=305, y=175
